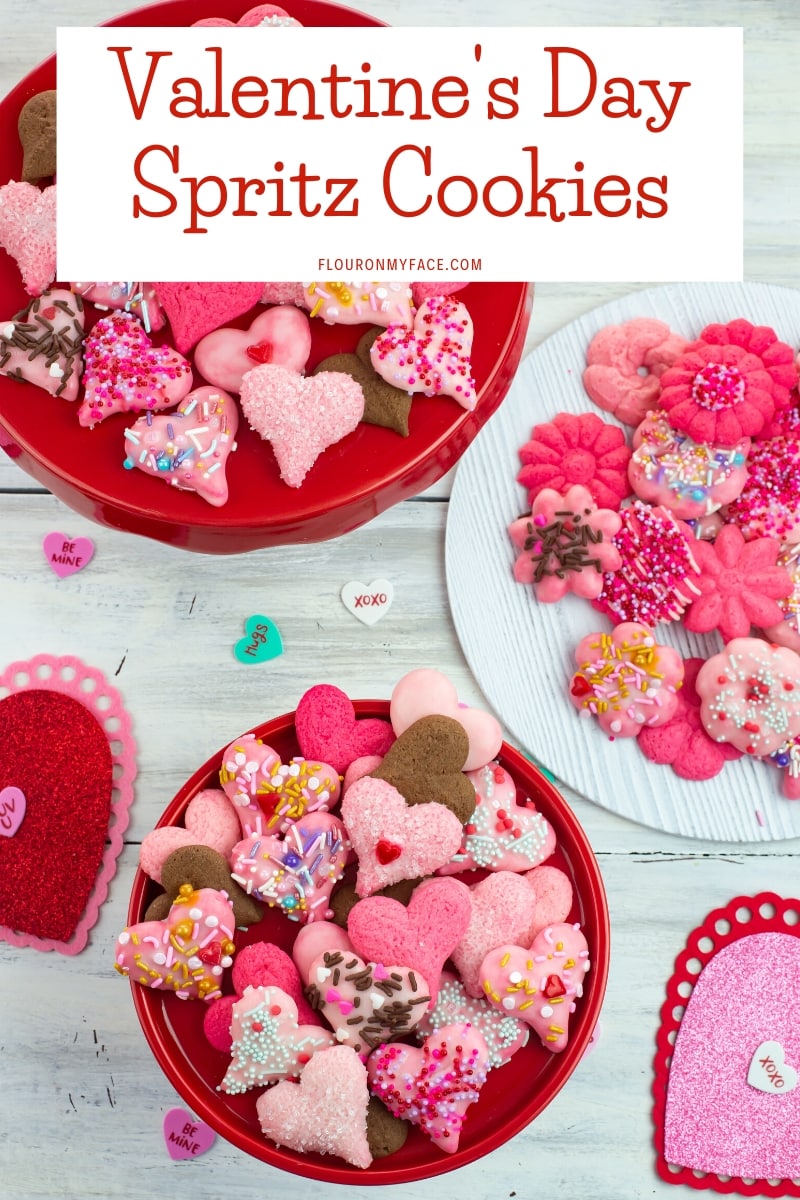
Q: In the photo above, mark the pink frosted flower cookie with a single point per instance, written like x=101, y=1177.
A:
x=566, y=545
x=137, y=298
x=769, y=503
x=682, y=742
x=360, y=303
x=691, y=479
x=28, y=232
x=787, y=631
x=614, y=377
x=577, y=449
x=626, y=679
x=750, y=696
x=42, y=344
x=433, y=357
x=740, y=584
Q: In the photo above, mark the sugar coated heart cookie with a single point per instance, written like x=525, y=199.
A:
x=433, y=357
x=426, y=692
x=42, y=344
x=268, y=1044
x=503, y=910
x=189, y=448
x=281, y=335
x=185, y=954
x=270, y=795
x=297, y=872
x=366, y=1003
x=28, y=232
x=125, y=372
x=327, y=726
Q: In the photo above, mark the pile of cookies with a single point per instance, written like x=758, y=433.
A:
x=431, y=934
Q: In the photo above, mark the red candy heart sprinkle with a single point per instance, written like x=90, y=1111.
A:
x=261, y=352
x=387, y=852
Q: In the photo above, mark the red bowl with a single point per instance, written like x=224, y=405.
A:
x=351, y=483
x=513, y=1095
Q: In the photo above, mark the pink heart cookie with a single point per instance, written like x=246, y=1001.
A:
x=268, y=1044
x=28, y=232
x=188, y=448
x=433, y=357
x=539, y=985
x=366, y=1003
x=300, y=417
x=264, y=14
x=313, y=940
x=187, y=952
x=360, y=303
x=501, y=834
x=503, y=1035
x=270, y=795
x=393, y=841
x=283, y=293
x=295, y=873
x=426, y=692
x=421, y=935
x=125, y=372
x=426, y=291
x=261, y=964
x=137, y=298
x=432, y=1086
x=194, y=309
x=42, y=344
x=554, y=894
x=326, y=1112
x=280, y=335
x=208, y=821
x=503, y=910
x=326, y=725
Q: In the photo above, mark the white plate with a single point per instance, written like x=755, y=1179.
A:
x=521, y=652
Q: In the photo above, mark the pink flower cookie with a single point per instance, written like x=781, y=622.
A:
x=137, y=298
x=503, y=1035
x=657, y=578
x=186, y=953
x=326, y=1112
x=540, y=985
x=188, y=448
x=682, y=742
x=501, y=835
x=270, y=795
x=295, y=873
x=300, y=417
x=28, y=232
x=769, y=503
x=268, y=1044
x=360, y=303
x=432, y=1086
x=689, y=478
x=566, y=545
x=281, y=335
x=366, y=1003
x=42, y=344
x=625, y=365
x=434, y=356
x=787, y=631
x=740, y=584
x=626, y=679
x=750, y=696
x=125, y=372
x=577, y=449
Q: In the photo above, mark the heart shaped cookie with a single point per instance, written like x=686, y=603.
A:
x=504, y=909
x=28, y=232
x=186, y=953
x=295, y=873
x=366, y=1003
x=280, y=335
x=270, y=795
x=194, y=309
x=501, y=834
x=326, y=1112
x=434, y=1085
x=433, y=357
x=300, y=417
x=327, y=727
x=36, y=126
x=383, y=404
x=42, y=344
x=426, y=692
x=393, y=841
x=202, y=867
x=425, y=291
x=208, y=821
x=426, y=763
x=137, y=298
x=420, y=935
x=539, y=985
x=503, y=1035
x=189, y=448
x=268, y=1044
x=262, y=15
x=125, y=372
x=356, y=303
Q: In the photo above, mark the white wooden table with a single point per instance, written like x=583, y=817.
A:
x=81, y=1098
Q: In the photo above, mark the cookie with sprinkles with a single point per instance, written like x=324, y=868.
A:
x=769, y=503
x=42, y=344
x=268, y=1044
x=434, y=356
x=140, y=299
x=504, y=1035
x=626, y=680
x=750, y=696
x=365, y=1003
x=787, y=631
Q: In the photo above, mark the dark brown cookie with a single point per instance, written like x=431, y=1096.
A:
x=426, y=763
x=346, y=896
x=385, y=1133
x=37, y=132
x=383, y=404
x=202, y=867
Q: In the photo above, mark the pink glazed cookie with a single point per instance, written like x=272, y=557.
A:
x=268, y=1043
x=125, y=372
x=366, y=1003
x=434, y=356
x=42, y=344
x=427, y=692
x=750, y=696
x=270, y=795
x=503, y=1035
x=280, y=335
x=360, y=303
x=626, y=679
x=137, y=298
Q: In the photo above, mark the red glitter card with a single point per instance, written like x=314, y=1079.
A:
x=727, y=1065
x=67, y=765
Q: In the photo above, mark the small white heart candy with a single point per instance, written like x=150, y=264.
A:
x=769, y=1072
x=368, y=602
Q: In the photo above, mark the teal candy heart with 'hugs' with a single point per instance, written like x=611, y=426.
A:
x=261, y=642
